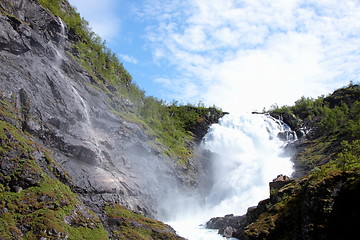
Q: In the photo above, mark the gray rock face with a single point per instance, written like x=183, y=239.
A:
x=108, y=159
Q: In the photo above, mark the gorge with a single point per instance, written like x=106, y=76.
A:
x=86, y=155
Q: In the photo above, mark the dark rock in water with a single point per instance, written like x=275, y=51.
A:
x=201, y=128
x=226, y=225
x=228, y=232
x=292, y=121
x=287, y=136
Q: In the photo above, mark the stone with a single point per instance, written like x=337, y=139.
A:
x=279, y=182
x=228, y=232
x=226, y=225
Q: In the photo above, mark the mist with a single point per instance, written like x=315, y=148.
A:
x=247, y=155
x=245, y=158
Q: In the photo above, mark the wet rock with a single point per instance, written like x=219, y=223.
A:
x=226, y=225
x=75, y=117
x=228, y=232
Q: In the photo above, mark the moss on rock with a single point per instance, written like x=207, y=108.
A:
x=130, y=225
x=34, y=205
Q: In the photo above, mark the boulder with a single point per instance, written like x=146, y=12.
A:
x=279, y=182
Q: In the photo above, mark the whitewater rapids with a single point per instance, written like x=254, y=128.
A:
x=248, y=157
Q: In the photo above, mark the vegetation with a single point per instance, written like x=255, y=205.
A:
x=171, y=125
x=131, y=225
x=324, y=203
x=175, y=125
x=333, y=125
x=35, y=204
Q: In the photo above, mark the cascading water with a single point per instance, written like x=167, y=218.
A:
x=89, y=130
x=60, y=48
x=248, y=152
x=88, y=126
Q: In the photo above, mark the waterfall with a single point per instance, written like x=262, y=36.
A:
x=89, y=135
x=89, y=130
x=59, y=49
x=248, y=156
x=248, y=159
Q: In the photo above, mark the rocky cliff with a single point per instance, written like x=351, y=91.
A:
x=61, y=126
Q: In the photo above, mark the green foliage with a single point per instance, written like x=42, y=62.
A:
x=174, y=125
x=171, y=125
x=335, y=124
x=134, y=226
x=189, y=116
x=333, y=120
x=33, y=204
x=307, y=108
x=349, y=157
x=90, y=49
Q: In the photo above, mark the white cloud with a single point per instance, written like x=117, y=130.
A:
x=128, y=58
x=102, y=17
x=253, y=53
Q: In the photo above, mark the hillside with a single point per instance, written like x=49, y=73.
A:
x=83, y=151
x=85, y=154
x=321, y=201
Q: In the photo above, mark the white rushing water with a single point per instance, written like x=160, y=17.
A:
x=248, y=158
x=59, y=49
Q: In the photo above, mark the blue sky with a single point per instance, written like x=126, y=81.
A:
x=236, y=54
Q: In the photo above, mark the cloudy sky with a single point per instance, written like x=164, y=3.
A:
x=236, y=54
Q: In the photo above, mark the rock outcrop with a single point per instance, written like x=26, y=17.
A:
x=279, y=182
x=107, y=157
x=301, y=209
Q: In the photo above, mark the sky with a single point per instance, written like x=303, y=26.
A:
x=240, y=55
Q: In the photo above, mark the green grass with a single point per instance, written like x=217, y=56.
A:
x=135, y=226
x=40, y=208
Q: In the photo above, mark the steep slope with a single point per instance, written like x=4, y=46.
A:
x=90, y=136
x=58, y=105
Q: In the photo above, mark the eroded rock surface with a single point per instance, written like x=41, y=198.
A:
x=108, y=158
